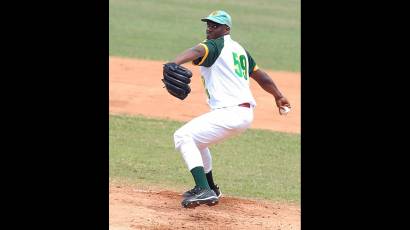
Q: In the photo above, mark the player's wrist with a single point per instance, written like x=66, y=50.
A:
x=278, y=97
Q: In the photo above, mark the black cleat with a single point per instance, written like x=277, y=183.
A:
x=191, y=192
x=217, y=191
x=200, y=196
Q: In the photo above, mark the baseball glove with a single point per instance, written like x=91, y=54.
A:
x=176, y=80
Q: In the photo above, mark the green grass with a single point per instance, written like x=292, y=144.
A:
x=255, y=164
x=161, y=29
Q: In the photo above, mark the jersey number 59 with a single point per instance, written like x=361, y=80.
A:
x=240, y=65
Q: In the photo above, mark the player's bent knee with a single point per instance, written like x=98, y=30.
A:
x=180, y=136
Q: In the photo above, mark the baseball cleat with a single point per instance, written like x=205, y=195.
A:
x=189, y=193
x=216, y=189
x=200, y=196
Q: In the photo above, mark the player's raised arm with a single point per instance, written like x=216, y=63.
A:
x=190, y=54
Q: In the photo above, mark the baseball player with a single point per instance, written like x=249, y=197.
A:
x=226, y=69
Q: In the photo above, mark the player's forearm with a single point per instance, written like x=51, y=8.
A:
x=189, y=55
x=267, y=83
x=270, y=87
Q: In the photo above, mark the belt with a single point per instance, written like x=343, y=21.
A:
x=245, y=105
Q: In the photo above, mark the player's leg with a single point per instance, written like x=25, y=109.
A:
x=201, y=193
x=208, y=129
x=193, y=160
x=215, y=126
x=207, y=160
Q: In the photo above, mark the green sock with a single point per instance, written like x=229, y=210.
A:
x=199, y=176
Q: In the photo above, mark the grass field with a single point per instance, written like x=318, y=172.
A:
x=257, y=164
x=160, y=29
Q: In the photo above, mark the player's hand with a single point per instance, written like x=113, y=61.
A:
x=282, y=102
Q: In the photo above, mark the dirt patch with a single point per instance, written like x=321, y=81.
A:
x=136, y=88
x=132, y=208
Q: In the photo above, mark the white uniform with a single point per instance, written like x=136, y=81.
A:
x=225, y=70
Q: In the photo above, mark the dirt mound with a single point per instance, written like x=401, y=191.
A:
x=131, y=208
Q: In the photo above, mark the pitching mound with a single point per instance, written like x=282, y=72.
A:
x=131, y=208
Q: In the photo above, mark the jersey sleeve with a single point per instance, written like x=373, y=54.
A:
x=213, y=49
x=252, y=64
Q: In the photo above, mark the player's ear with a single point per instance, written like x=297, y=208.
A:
x=227, y=28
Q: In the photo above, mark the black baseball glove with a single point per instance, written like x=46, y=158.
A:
x=176, y=80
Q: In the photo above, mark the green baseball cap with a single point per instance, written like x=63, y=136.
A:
x=220, y=17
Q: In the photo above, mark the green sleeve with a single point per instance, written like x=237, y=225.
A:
x=252, y=65
x=213, y=49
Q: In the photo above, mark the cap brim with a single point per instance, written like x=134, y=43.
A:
x=213, y=20
x=207, y=19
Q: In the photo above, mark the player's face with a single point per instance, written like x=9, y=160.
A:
x=214, y=30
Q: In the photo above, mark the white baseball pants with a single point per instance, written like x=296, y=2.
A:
x=193, y=139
